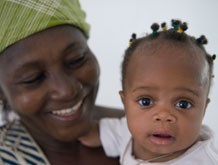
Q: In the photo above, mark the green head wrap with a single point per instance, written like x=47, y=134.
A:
x=21, y=18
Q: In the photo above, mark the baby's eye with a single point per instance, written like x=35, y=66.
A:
x=145, y=101
x=183, y=104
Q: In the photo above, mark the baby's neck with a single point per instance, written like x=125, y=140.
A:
x=146, y=155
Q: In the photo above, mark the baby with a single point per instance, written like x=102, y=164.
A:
x=166, y=79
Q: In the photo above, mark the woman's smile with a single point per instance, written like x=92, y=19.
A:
x=68, y=114
x=67, y=111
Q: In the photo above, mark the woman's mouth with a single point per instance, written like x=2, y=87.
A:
x=68, y=114
x=67, y=111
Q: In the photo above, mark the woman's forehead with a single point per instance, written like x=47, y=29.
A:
x=46, y=45
x=50, y=39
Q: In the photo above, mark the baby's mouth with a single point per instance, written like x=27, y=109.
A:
x=162, y=138
x=67, y=111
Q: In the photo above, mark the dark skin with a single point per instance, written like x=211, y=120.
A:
x=52, y=84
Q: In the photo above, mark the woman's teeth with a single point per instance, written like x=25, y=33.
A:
x=67, y=111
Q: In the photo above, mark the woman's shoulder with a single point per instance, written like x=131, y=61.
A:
x=8, y=140
x=17, y=147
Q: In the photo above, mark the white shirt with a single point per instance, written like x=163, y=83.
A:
x=117, y=141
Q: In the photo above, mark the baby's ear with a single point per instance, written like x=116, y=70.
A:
x=206, y=105
x=122, y=96
x=208, y=101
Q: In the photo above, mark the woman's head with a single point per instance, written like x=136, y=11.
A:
x=22, y=18
x=50, y=79
x=166, y=80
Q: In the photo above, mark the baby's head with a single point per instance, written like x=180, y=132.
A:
x=166, y=79
x=175, y=36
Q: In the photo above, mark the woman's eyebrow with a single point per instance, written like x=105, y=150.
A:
x=73, y=46
x=22, y=67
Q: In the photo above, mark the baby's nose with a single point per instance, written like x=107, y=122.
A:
x=164, y=116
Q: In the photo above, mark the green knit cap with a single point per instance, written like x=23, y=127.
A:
x=21, y=18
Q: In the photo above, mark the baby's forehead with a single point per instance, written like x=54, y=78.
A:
x=170, y=59
x=172, y=48
x=173, y=53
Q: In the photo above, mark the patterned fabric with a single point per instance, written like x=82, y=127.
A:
x=17, y=147
x=21, y=18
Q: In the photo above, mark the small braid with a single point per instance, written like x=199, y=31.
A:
x=184, y=26
x=202, y=40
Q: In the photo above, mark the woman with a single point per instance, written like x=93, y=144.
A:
x=49, y=78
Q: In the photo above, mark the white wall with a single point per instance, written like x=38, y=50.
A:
x=113, y=21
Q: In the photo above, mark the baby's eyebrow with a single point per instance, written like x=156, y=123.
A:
x=145, y=88
x=192, y=91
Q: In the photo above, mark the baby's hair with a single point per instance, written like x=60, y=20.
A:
x=176, y=33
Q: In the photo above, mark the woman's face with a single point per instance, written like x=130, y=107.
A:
x=50, y=80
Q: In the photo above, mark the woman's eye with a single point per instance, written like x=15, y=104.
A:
x=183, y=104
x=34, y=79
x=76, y=61
x=145, y=102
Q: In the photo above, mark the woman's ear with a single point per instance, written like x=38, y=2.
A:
x=3, y=100
x=1, y=95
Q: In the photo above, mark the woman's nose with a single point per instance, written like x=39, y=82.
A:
x=64, y=87
x=164, y=116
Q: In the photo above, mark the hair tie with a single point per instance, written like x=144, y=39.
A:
x=176, y=25
x=155, y=27
x=184, y=26
x=164, y=26
x=213, y=57
x=132, y=39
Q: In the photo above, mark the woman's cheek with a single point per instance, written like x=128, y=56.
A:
x=26, y=103
x=90, y=74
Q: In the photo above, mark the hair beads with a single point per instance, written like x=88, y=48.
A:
x=133, y=38
x=176, y=32
x=155, y=28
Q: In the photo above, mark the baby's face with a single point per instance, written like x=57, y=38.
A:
x=165, y=95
